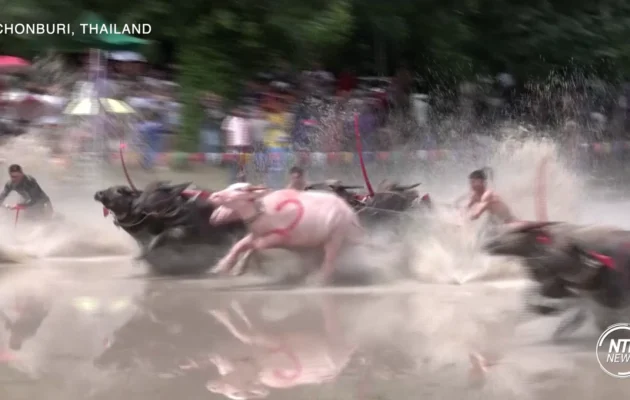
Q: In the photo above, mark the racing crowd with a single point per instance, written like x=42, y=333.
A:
x=312, y=110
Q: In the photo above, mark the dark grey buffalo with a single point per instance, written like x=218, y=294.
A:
x=344, y=191
x=389, y=202
x=573, y=261
x=395, y=197
x=171, y=225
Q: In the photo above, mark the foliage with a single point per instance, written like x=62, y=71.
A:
x=218, y=43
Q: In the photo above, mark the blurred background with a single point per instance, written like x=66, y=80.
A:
x=272, y=77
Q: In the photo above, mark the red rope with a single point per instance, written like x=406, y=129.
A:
x=122, y=160
x=357, y=136
x=17, y=215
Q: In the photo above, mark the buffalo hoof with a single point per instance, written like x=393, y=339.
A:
x=243, y=265
x=479, y=366
x=220, y=269
x=238, y=270
x=221, y=316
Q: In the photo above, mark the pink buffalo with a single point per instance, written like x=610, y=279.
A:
x=286, y=219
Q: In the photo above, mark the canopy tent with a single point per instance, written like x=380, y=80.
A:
x=107, y=41
x=10, y=64
x=88, y=103
x=94, y=106
x=126, y=56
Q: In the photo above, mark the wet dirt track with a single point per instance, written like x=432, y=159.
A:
x=72, y=333
x=75, y=330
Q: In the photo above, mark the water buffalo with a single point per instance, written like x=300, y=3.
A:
x=570, y=260
x=31, y=312
x=355, y=200
x=171, y=225
x=288, y=219
x=387, y=203
x=314, y=351
x=391, y=199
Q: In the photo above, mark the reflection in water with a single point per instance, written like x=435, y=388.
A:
x=309, y=351
x=164, y=339
x=28, y=312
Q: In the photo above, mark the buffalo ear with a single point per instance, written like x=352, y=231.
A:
x=409, y=187
x=155, y=185
x=526, y=226
x=178, y=189
x=126, y=191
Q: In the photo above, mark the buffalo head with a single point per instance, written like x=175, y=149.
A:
x=557, y=256
x=521, y=239
x=159, y=197
x=386, y=186
x=117, y=199
x=405, y=188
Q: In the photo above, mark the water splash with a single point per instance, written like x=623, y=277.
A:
x=450, y=251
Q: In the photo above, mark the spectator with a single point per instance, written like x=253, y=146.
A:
x=276, y=140
x=402, y=86
x=347, y=81
x=151, y=130
x=238, y=141
x=305, y=125
x=368, y=123
x=318, y=81
x=211, y=129
x=296, y=179
x=257, y=128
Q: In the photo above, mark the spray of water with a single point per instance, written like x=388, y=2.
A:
x=451, y=250
x=76, y=232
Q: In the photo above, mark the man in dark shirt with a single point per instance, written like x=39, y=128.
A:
x=36, y=202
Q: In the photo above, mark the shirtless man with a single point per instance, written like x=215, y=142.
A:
x=483, y=199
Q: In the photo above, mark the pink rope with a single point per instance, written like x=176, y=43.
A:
x=357, y=136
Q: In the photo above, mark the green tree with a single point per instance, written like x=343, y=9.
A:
x=230, y=40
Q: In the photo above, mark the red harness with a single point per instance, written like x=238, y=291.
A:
x=199, y=194
x=607, y=261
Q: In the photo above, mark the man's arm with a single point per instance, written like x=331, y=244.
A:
x=5, y=192
x=457, y=203
x=479, y=209
x=482, y=206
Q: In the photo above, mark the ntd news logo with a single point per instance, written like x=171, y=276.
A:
x=613, y=350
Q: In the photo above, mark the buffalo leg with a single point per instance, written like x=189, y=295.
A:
x=262, y=243
x=241, y=267
x=155, y=242
x=238, y=309
x=161, y=238
x=570, y=324
x=250, y=338
x=224, y=366
x=331, y=253
x=227, y=262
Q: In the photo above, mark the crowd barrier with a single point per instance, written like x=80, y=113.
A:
x=180, y=159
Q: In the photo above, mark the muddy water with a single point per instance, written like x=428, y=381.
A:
x=77, y=331
x=80, y=320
